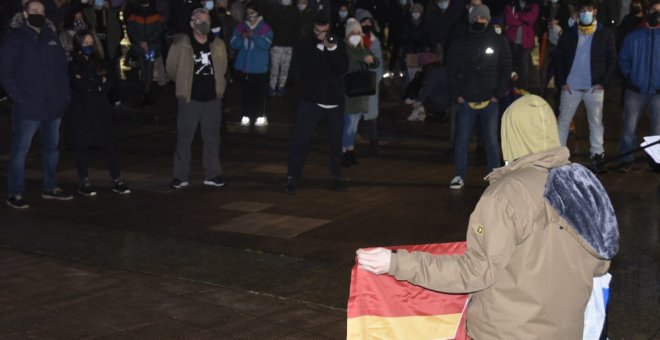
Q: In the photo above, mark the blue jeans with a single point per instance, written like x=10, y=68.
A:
x=24, y=131
x=633, y=106
x=351, y=121
x=465, y=118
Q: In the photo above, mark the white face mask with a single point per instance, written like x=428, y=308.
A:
x=416, y=15
x=302, y=7
x=343, y=14
x=443, y=5
x=403, y=2
x=286, y=2
x=84, y=1
x=498, y=30
x=209, y=5
x=355, y=40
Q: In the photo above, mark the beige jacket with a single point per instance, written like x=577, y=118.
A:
x=180, y=65
x=529, y=273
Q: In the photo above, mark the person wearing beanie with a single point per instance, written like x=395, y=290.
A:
x=585, y=62
x=359, y=57
x=540, y=233
x=372, y=42
x=639, y=63
x=479, y=70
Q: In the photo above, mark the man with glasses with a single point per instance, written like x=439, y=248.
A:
x=197, y=63
x=322, y=61
x=34, y=72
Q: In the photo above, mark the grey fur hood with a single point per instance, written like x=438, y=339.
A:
x=579, y=197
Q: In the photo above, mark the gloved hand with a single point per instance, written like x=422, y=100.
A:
x=376, y=260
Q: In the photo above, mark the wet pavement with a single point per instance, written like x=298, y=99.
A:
x=247, y=261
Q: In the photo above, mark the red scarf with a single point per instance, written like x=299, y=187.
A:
x=367, y=41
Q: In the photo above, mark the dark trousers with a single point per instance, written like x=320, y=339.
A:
x=109, y=154
x=254, y=90
x=308, y=117
x=146, y=74
x=522, y=63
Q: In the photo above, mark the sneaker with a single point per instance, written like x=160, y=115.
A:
x=261, y=121
x=271, y=92
x=281, y=91
x=178, y=184
x=597, y=165
x=120, y=187
x=56, y=194
x=456, y=183
x=216, y=181
x=624, y=167
x=408, y=101
x=85, y=188
x=17, y=202
x=245, y=121
x=339, y=185
x=290, y=186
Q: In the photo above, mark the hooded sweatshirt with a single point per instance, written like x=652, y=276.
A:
x=538, y=235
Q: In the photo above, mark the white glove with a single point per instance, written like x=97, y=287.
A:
x=376, y=260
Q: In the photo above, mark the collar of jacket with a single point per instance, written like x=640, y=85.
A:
x=548, y=159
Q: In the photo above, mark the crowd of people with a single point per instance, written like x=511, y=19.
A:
x=464, y=59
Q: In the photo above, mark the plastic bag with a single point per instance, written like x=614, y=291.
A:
x=594, y=314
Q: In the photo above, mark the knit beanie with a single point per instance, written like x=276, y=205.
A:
x=479, y=11
x=352, y=25
x=361, y=14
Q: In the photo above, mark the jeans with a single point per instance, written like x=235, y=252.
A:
x=465, y=119
x=593, y=101
x=634, y=104
x=24, y=131
x=206, y=115
x=351, y=121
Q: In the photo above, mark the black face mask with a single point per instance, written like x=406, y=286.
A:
x=478, y=26
x=636, y=9
x=653, y=19
x=366, y=29
x=36, y=20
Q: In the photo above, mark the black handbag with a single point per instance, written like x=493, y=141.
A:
x=360, y=83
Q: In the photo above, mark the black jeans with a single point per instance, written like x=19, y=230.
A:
x=253, y=96
x=308, y=117
x=109, y=155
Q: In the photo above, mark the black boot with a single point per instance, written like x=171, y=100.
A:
x=351, y=158
x=345, y=160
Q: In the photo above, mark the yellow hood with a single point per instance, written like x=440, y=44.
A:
x=528, y=126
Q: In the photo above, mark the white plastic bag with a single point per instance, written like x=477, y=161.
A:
x=594, y=314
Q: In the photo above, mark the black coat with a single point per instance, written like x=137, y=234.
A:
x=319, y=78
x=479, y=66
x=603, y=56
x=90, y=118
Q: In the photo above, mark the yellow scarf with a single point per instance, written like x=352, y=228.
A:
x=587, y=30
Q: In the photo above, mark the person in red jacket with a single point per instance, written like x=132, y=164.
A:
x=520, y=19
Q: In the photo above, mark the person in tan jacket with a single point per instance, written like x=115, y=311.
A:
x=197, y=63
x=541, y=231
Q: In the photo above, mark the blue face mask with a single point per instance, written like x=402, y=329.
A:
x=209, y=5
x=443, y=5
x=87, y=50
x=586, y=18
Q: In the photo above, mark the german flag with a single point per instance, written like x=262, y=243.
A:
x=381, y=307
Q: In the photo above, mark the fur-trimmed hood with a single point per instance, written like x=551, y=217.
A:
x=17, y=21
x=579, y=198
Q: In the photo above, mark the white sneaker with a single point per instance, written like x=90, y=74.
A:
x=409, y=101
x=417, y=115
x=245, y=121
x=261, y=121
x=456, y=183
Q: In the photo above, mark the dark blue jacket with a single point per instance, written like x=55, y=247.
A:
x=33, y=72
x=603, y=56
x=639, y=61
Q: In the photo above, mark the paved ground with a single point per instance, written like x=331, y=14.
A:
x=247, y=261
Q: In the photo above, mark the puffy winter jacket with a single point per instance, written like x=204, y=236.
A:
x=34, y=73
